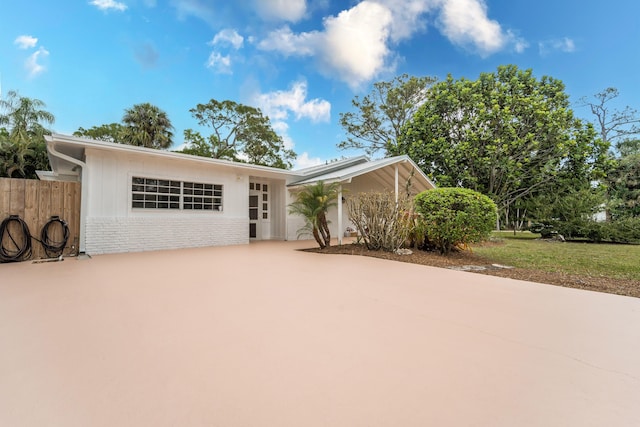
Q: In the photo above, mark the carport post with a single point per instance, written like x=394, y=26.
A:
x=396, y=184
x=340, y=232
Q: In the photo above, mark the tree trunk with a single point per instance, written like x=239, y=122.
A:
x=324, y=228
x=316, y=236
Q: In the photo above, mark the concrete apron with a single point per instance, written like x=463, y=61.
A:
x=265, y=335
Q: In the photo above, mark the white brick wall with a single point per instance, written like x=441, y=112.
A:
x=136, y=234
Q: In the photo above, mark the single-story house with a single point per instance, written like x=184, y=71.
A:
x=141, y=199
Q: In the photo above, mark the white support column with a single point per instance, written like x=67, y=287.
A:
x=340, y=230
x=396, y=183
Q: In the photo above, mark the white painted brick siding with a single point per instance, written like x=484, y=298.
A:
x=137, y=234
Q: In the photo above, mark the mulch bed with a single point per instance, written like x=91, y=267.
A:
x=464, y=258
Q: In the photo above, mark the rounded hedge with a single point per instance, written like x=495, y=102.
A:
x=455, y=216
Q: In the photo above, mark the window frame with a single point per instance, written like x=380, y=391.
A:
x=171, y=195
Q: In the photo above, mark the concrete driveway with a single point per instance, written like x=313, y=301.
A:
x=264, y=335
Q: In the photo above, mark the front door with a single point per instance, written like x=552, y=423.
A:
x=259, y=220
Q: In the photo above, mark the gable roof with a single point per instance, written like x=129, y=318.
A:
x=382, y=170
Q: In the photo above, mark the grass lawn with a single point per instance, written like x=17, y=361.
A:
x=590, y=259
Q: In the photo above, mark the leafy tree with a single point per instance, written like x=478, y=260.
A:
x=624, y=187
x=508, y=135
x=378, y=119
x=613, y=125
x=13, y=157
x=628, y=147
x=196, y=145
x=145, y=125
x=24, y=117
x=455, y=216
x=111, y=132
x=22, y=145
x=240, y=133
x=574, y=195
x=313, y=203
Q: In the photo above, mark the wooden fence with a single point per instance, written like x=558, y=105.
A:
x=36, y=202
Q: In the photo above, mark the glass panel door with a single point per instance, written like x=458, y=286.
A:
x=253, y=216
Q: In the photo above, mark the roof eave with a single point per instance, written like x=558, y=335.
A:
x=110, y=146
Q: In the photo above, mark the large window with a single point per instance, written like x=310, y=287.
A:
x=150, y=193
x=202, y=196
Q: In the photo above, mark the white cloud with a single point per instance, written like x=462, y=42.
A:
x=219, y=63
x=519, y=44
x=408, y=16
x=465, y=23
x=564, y=44
x=284, y=41
x=353, y=45
x=278, y=104
x=228, y=37
x=304, y=161
x=200, y=9
x=282, y=129
x=282, y=10
x=357, y=44
x=108, y=4
x=26, y=42
x=32, y=65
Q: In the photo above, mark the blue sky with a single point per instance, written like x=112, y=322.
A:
x=301, y=62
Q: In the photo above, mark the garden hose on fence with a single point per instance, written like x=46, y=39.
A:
x=50, y=246
x=20, y=249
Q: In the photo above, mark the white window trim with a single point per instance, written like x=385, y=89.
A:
x=181, y=196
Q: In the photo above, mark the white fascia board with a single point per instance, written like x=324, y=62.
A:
x=110, y=146
x=361, y=170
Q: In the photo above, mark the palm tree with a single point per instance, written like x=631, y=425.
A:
x=23, y=117
x=22, y=145
x=312, y=203
x=145, y=125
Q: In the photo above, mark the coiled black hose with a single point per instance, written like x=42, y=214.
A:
x=19, y=251
x=52, y=248
x=20, y=246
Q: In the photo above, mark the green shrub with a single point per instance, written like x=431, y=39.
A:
x=455, y=216
x=626, y=230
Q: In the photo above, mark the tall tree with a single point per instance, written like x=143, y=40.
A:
x=378, y=119
x=614, y=125
x=111, y=132
x=22, y=146
x=24, y=117
x=146, y=125
x=507, y=135
x=240, y=133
